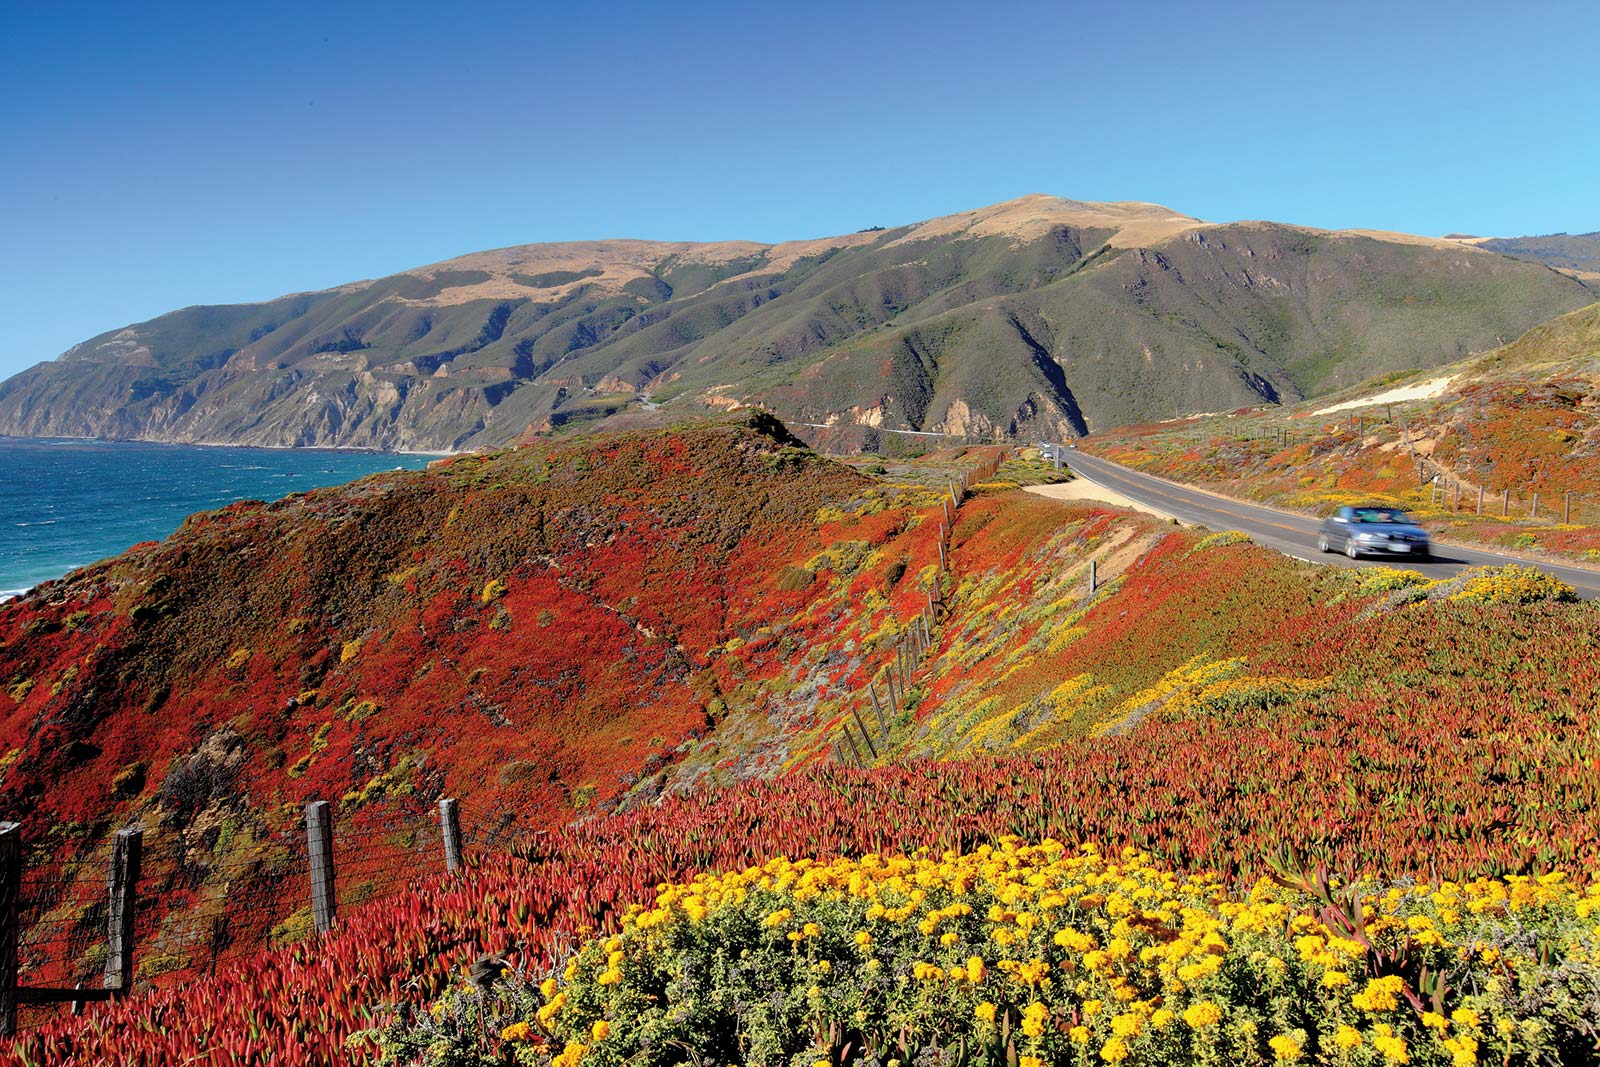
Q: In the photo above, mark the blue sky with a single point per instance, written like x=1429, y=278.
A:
x=154, y=156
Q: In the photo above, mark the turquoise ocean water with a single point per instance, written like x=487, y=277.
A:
x=67, y=503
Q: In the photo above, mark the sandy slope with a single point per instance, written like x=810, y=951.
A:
x=1418, y=391
x=1083, y=489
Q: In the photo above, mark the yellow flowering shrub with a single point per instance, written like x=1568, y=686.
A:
x=1512, y=584
x=1037, y=953
x=1220, y=540
x=1386, y=579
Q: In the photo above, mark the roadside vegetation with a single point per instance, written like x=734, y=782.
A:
x=1521, y=420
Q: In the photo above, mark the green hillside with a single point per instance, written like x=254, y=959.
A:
x=1035, y=317
x=1569, y=251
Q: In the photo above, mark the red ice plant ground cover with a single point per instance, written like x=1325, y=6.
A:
x=1360, y=779
x=535, y=632
x=1222, y=774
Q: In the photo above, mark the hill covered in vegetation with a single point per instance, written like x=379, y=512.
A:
x=1520, y=420
x=1038, y=317
x=1578, y=252
x=538, y=631
x=665, y=634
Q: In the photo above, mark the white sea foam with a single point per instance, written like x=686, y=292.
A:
x=10, y=594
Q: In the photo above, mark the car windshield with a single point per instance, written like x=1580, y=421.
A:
x=1389, y=515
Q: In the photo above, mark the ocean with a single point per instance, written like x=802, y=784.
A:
x=67, y=503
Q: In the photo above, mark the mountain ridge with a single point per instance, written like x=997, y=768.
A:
x=1035, y=316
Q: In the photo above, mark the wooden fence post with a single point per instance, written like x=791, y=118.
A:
x=319, y=849
x=838, y=753
x=1091, y=575
x=10, y=931
x=1566, y=509
x=854, y=751
x=877, y=710
x=865, y=736
x=126, y=851
x=1505, y=504
x=895, y=700
x=450, y=827
x=1536, y=505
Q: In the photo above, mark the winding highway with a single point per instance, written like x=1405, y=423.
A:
x=1288, y=532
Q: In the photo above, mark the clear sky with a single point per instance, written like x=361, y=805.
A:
x=159, y=155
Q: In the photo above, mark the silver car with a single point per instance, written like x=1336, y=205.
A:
x=1373, y=531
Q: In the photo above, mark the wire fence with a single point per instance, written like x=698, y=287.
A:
x=203, y=899
x=179, y=901
x=1533, y=500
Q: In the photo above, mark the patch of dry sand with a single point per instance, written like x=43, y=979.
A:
x=1418, y=391
x=1083, y=489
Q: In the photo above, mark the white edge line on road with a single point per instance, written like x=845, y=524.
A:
x=1560, y=569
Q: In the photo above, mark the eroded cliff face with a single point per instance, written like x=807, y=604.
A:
x=1039, y=316
x=359, y=410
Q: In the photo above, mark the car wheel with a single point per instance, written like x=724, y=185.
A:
x=1350, y=548
x=1322, y=543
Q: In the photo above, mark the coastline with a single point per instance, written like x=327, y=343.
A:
x=71, y=501
x=436, y=453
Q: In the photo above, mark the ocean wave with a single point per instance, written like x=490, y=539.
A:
x=10, y=594
x=44, y=522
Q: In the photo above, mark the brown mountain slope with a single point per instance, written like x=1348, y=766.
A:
x=1038, y=316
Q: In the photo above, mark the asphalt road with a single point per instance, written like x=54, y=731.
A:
x=1288, y=532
